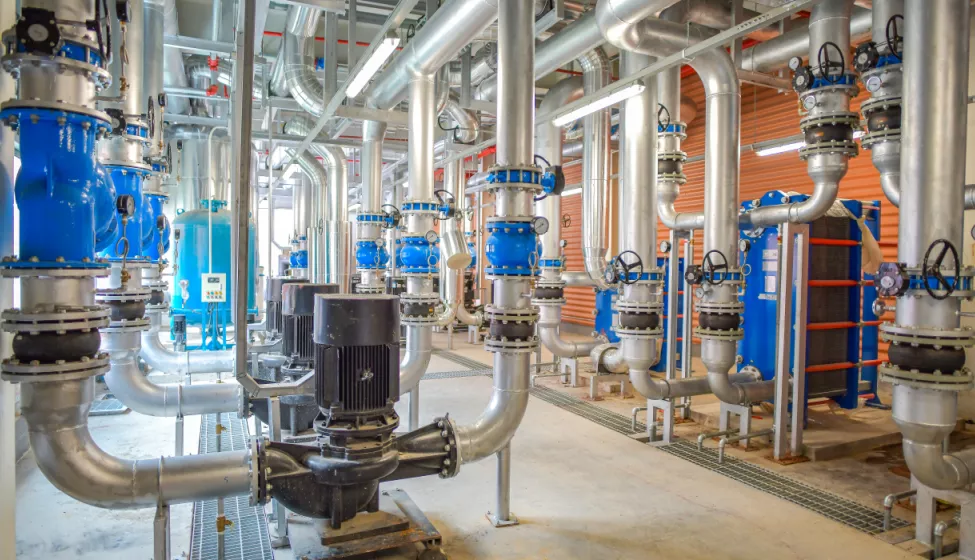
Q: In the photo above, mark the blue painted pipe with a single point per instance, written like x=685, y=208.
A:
x=63, y=204
x=106, y=219
x=158, y=244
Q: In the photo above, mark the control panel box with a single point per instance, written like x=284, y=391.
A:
x=214, y=288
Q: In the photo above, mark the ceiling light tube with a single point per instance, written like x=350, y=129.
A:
x=601, y=103
x=369, y=69
x=570, y=192
x=781, y=148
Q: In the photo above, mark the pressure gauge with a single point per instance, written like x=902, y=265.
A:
x=795, y=63
x=665, y=246
x=744, y=245
x=125, y=205
x=540, y=225
x=431, y=236
x=380, y=242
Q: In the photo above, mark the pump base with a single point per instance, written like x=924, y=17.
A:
x=398, y=523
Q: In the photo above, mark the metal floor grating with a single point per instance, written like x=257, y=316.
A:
x=247, y=538
x=458, y=373
x=832, y=506
x=108, y=406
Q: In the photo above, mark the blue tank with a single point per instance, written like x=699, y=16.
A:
x=190, y=257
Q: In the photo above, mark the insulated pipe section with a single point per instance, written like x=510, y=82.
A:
x=135, y=390
x=180, y=363
x=57, y=419
x=776, y=53
x=299, y=65
x=549, y=319
x=413, y=364
x=368, y=233
x=882, y=74
x=721, y=175
x=828, y=124
x=174, y=74
x=333, y=246
x=595, y=170
x=929, y=349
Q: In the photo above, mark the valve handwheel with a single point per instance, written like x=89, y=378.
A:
x=663, y=118
x=449, y=203
x=622, y=268
x=933, y=270
x=392, y=218
x=713, y=264
x=826, y=64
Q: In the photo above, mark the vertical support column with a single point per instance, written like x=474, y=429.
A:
x=353, y=24
x=243, y=124
x=783, y=338
x=161, y=544
x=502, y=517
x=799, y=346
x=687, y=334
x=8, y=460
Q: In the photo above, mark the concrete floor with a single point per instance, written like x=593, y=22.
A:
x=580, y=491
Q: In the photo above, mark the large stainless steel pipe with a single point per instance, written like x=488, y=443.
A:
x=595, y=170
x=135, y=390
x=332, y=242
x=932, y=175
x=161, y=358
x=492, y=431
x=299, y=72
x=57, y=418
x=776, y=53
x=174, y=74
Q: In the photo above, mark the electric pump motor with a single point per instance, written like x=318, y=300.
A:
x=356, y=340
x=297, y=312
x=275, y=288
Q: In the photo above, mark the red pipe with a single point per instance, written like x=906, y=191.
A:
x=830, y=326
x=833, y=283
x=830, y=367
x=833, y=242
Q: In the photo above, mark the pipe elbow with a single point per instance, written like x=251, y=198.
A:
x=413, y=364
x=938, y=470
x=562, y=348
x=495, y=427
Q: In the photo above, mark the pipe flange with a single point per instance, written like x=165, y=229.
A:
x=94, y=272
x=640, y=307
x=720, y=307
x=450, y=465
x=956, y=381
x=639, y=334
x=61, y=319
x=15, y=371
x=420, y=207
x=259, y=470
x=511, y=314
x=370, y=289
x=871, y=139
x=505, y=345
x=99, y=76
x=127, y=326
x=938, y=338
x=557, y=302
x=848, y=148
x=733, y=335
x=127, y=294
x=523, y=178
x=127, y=165
x=881, y=104
x=843, y=118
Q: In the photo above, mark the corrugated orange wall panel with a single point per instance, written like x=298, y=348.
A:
x=766, y=115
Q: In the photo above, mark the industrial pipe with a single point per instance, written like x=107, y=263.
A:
x=162, y=358
x=932, y=185
x=174, y=73
x=595, y=170
x=135, y=390
x=57, y=418
x=511, y=314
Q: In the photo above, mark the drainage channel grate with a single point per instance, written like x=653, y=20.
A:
x=847, y=512
x=458, y=359
x=458, y=373
x=247, y=538
x=107, y=407
x=842, y=510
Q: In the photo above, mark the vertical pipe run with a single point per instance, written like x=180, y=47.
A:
x=245, y=78
x=932, y=171
x=8, y=480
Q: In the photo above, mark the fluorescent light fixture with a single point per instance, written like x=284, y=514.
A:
x=601, y=103
x=369, y=69
x=781, y=148
x=571, y=192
